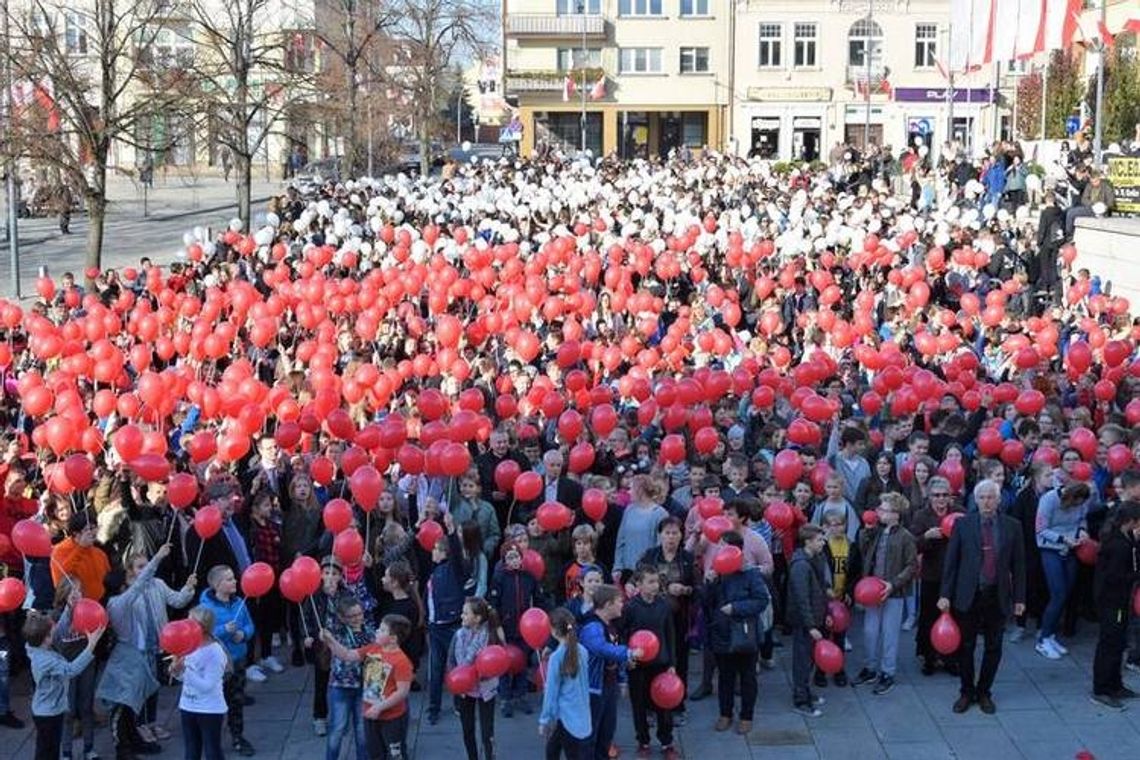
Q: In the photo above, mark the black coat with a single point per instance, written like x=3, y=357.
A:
x=962, y=568
x=1117, y=572
x=746, y=591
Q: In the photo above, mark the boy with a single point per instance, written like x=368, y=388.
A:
x=807, y=611
x=445, y=597
x=844, y=562
x=608, y=661
x=512, y=592
x=649, y=611
x=343, y=679
x=554, y=548
x=233, y=628
x=585, y=540
x=52, y=673
x=472, y=508
x=889, y=552
x=387, y=680
x=736, y=470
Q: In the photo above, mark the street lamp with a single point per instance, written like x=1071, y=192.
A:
x=9, y=160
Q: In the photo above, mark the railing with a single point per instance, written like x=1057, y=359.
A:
x=552, y=25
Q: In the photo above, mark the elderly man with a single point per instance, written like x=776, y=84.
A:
x=983, y=578
x=499, y=452
x=556, y=486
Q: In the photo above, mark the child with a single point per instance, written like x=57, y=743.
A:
x=649, y=611
x=405, y=600
x=592, y=578
x=807, y=613
x=387, y=679
x=471, y=508
x=585, y=540
x=51, y=672
x=479, y=629
x=513, y=592
x=835, y=502
x=565, y=717
x=889, y=552
x=268, y=610
x=321, y=613
x=678, y=581
x=608, y=661
x=554, y=548
x=844, y=564
x=233, y=628
x=202, y=703
x=350, y=627
x=81, y=689
x=638, y=531
x=445, y=603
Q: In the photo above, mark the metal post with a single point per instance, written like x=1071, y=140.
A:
x=994, y=100
x=867, y=53
x=10, y=166
x=1098, y=130
x=582, y=10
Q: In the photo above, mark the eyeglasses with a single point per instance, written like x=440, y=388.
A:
x=940, y=496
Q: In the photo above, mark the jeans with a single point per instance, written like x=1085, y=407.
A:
x=730, y=668
x=202, y=735
x=387, y=739
x=640, y=679
x=439, y=640
x=603, y=716
x=49, y=734
x=468, y=706
x=1110, y=651
x=233, y=688
x=1060, y=574
x=346, y=712
x=802, y=665
x=561, y=742
x=984, y=617
x=5, y=705
x=882, y=626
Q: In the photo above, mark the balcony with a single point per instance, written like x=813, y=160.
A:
x=549, y=81
x=552, y=25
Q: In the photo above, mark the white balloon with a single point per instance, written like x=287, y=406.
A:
x=466, y=146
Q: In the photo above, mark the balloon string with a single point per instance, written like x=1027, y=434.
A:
x=316, y=615
x=173, y=520
x=511, y=511
x=201, y=546
x=304, y=625
x=367, y=529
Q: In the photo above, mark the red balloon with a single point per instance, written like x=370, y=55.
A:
x=787, y=469
x=366, y=485
x=705, y=440
x=287, y=435
x=647, y=642
x=492, y=661
x=182, y=490
x=337, y=516
x=80, y=471
x=595, y=504
x=947, y=523
x=667, y=690
x=128, y=442
x=348, y=547
x=455, y=459
x=152, y=468
x=518, y=659
x=828, y=656
x=207, y=522
x=429, y=534
x=257, y=580
x=528, y=486
x=1013, y=454
x=506, y=473
x=461, y=679
x=322, y=469
x=180, y=637
x=553, y=517
x=709, y=506
x=673, y=449
x=1119, y=458
x=308, y=574
x=990, y=442
x=945, y=635
x=1087, y=550
x=533, y=564
x=581, y=458
x=31, y=538
x=534, y=627
x=838, y=616
x=715, y=527
x=780, y=515
x=1084, y=441
x=88, y=615
x=12, y=593
x=728, y=560
x=869, y=591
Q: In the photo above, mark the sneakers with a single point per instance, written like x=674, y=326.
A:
x=1017, y=634
x=1061, y=648
x=524, y=705
x=272, y=664
x=884, y=686
x=1125, y=693
x=908, y=624
x=722, y=724
x=744, y=727
x=243, y=747
x=1108, y=701
x=865, y=676
x=670, y=753
x=160, y=733
x=320, y=726
x=1045, y=648
x=819, y=679
x=9, y=720
x=643, y=752
x=1132, y=666
x=841, y=678
x=146, y=734
x=680, y=718
x=256, y=674
x=808, y=711
x=91, y=755
x=766, y=663
x=508, y=709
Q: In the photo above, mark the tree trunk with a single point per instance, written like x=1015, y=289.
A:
x=244, y=174
x=425, y=141
x=96, y=219
x=353, y=151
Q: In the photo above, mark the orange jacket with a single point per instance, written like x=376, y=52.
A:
x=88, y=564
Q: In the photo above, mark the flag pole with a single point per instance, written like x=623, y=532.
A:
x=582, y=10
x=1098, y=131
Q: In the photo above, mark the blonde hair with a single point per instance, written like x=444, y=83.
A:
x=649, y=488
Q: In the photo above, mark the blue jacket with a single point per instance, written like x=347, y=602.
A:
x=566, y=699
x=235, y=611
x=746, y=591
x=445, y=595
x=601, y=641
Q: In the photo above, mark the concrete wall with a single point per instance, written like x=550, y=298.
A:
x=1107, y=248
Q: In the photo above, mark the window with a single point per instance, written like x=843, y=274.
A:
x=694, y=60
x=694, y=131
x=639, y=8
x=573, y=7
x=640, y=60
x=75, y=33
x=694, y=7
x=865, y=35
x=771, y=36
x=576, y=58
x=803, y=46
x=169, y=46
x=925, y=45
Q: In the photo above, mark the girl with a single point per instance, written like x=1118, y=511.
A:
x=638, y=531
x=479, y=627
x=565, y=717
x=922, y=471
x=472, y=540
x=1062, y=525
x=405, y=600
x=1116, y=577
x=202, y=704
x=265, y=539
x=882, y=480
x=513, y=592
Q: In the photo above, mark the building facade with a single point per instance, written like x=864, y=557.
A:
x=642, y=76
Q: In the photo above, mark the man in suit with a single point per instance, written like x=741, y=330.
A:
x=983, y=578
x=499, y=452
x=556, y=486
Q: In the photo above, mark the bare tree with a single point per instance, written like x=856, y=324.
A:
x=244, y=81
x=90, y=61
x=428, y=40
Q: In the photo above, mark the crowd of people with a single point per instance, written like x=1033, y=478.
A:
x=596, y=415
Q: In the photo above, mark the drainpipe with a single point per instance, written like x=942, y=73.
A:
x=726, y=138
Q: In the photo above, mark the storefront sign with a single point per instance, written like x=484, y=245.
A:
x=920, y=126
x=790, y=94
x=759, y=122
x=938, y=95
x=807, y=122
x=1124, y=174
